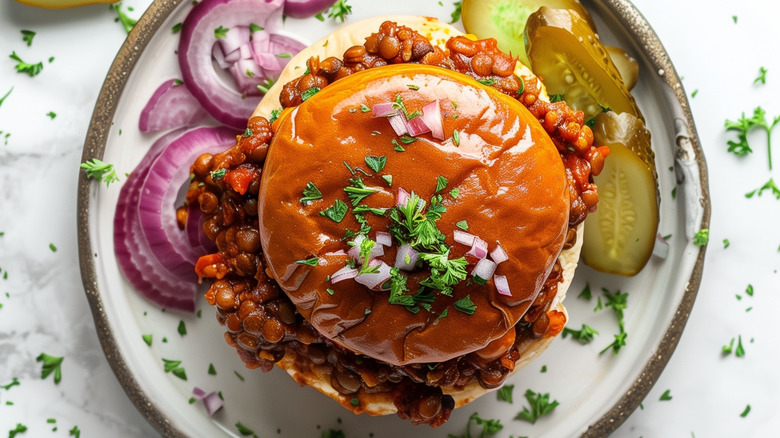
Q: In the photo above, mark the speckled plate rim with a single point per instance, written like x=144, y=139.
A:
x=688, y=150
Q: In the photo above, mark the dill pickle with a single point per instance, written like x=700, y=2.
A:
x=505, y=20
x=567, y=54
x=626, y=66
x=619, y=237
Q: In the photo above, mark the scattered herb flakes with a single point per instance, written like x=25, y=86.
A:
x=599, y=305
x=75, y=432
x=740, y=350
x=182, y=328
x=263, y=88
x=734, y=19
x=2, y=99
x=100, y=171
x=583, y=335
x=455, y=16
x=173, y=367
x=769, y=185
x=388, y=179
x=51, y=114
x=544, y=369
x=441, y=183
x=333, y=433
x=338, y=12
x=463, y=225
x=147, y=339
x=243, y=430
x=455, y=193
x=52, y=247
x=364, y=108
x=666, y=396
x=489, y=427
x=176, y=28
x=540, y=406
x=674, y=193
x=743, y=125
x=586, y=294
x=376, y=163
x=745, y=412
x=28, y=35
x=212, y=370
x=761, y=75
x=220, y=32
x=20, y=428
x=51, y=364
x=618, y=302
x=354, y=401
x=23, y=67
x=306, y=95
x=310, y=193
x=240, y=377
x=726, y=243
x=701, y=237
x=127, y=22
x=310, y=262
x=694, y=93
x=749, y=290
x=465, y=305
x=456, y=137
x=336, y=212
x=14, y=382
x=505, y=393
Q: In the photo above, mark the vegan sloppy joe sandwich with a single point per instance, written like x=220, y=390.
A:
x=399, y=223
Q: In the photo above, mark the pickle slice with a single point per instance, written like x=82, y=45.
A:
x=619, y=237
x=567, y=55
x=626, y=65
x=505, y=20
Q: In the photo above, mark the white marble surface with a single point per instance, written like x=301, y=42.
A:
x=44, y=308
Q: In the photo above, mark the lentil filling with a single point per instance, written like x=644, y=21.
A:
x=263, y=324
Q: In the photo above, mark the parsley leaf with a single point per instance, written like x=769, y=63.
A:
x=618, y=302
x=489, y=427
x=172, y=366
x=445, y=272
x=306, y=95
x=100, y=171
x=336, y=212
x=27, y=36
x=441, y=183
x=586, y=293
x=311, y=262
x=310, y=193
x=23, y=67
x=127, y=22
x=397, y=289
x=740, y=351
x=761, y=75
x=666, y=396
x=456, y=13
x=701, y=237
x=465, y=305
x=357, y=190
x=243, y=430
x=505, y=393
x=51, y=364
x=743, y=125
x=376, y=163
x=463, y=225
x=14, y=382
x=745, y=412
x=339, y=11
x=2, y=99
x=540, y=406
x=584, y=335
x=20, y=428
x=769, y=185
x=220, y=32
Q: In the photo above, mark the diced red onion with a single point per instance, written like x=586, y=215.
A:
x=198, y=393
x=234, y=38
x=431, y=115
x=279, y=44
x=398, y=123
x=484, y=269
x=498, y=255
x=463, y=237
x=267, y=61
x=171, y=106
x=478, y=249
x=232, y=57
x=502, y=285
x=219, y=56
x=245, y=51
x=401, y=256
x=384, y=238
x=213, y=402
x=403, y=197
x=248, y=76
x=374, y=280
x=354, y=252
x=306, y=8
x=344, y=273
x=661, y=247
x=384, y=109
x=417, y=127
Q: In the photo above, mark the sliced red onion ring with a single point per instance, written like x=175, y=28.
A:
x=374, y=280
x=417, y=127
x=384, y=238
x=401, y=257
x=213, y=402
x=498, y=255
x=197, y=238
x=479, y=249
x=431, y=115
x=384, y=109
x=502, y=285
x=219, y=56
x=398, y=123
x=344, y=273
x=224, y=103
x=484, y=269
x=661, y=247
x=463, y=237
x=306, y=8
x=171, y=106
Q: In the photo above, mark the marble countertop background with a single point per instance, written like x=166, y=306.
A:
x=718, y=47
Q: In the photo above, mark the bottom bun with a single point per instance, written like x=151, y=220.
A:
x=382, y=403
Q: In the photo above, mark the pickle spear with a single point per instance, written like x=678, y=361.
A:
x=568, y=56
x=619, y=237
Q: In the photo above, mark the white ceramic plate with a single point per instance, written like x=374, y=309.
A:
x=596, y=391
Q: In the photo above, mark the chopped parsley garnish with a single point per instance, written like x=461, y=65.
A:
x=51, y=114
x=583, y=335
x=336, y=212
x=127, y=22
x=74, y=432
x=463, y=225
x=727, y=349
x=20, y=428
x=338, y=11
x=749, y=290
x=666, y=396
x=100, y=171
x=23, y=67
x=740, y=351
x=264, y=87
x=176, y=28
x=366, y=245
x=357, y=190
x=405, y=139
x=455, y=193
x=248, y=133
x=488, y=81
x=218, y=174
x=220, y=32
x=275, y=115
x=28, y=35
x=243, y=430
x=456, y=13
x=147, y=339
x=283, y=55
x=701, y=237
x=310, y=193
x=743, y=125
x=761, y=73
x=397, y=289
x=333, y=433
x=14, y=382
x=212, y=371
x=182, y=328
x=586, y=293
x=51, y=364
x=441, y=183
x=556, y=98
x=364, y=108
x=172, y=366
x=255, y=28
x=311, y=262
x=465, y=305
x=445, y=272
x=376, y=163
x=240, y=377
x=505, y=393
x=769, y=185
x=2, y=99
x=618, y=302
x=309, y=93
x=52, y=247
x=745, y=412
x=540, y=406
x=456, y=137
x=388, y=179
x=490, y=427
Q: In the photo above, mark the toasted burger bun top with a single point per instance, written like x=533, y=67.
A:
x=512, y=189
